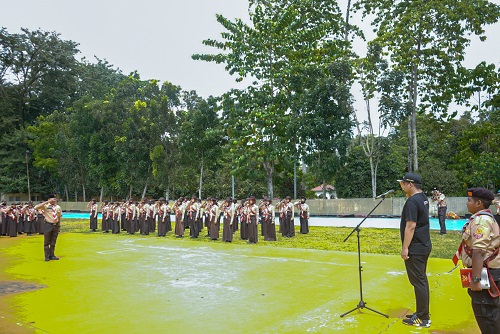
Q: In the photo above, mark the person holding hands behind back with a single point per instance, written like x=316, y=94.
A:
x=53, y=214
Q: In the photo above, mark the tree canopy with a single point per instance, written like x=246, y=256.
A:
x=83, y=128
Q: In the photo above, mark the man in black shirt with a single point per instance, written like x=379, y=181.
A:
x=416, y=240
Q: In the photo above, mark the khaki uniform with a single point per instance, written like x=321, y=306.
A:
x=478, y=234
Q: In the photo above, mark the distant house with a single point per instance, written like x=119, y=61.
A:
x=331, y=193
x=19, y=197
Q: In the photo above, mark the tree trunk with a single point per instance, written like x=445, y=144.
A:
x=66, y=192
x=130, y=191
x=101, y=195
x=269, y=168
x=83, y=193
x=76, y=195
x=415, y=146
x=370, y=145
x=145, y=188
x=147, y=183
x=374, y=177
x=167, y=191
x=347, y=15
x=413, y=115
x=410, y=144
x=201, y=177
x=324, y=188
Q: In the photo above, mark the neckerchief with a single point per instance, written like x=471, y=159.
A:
x=463, y=245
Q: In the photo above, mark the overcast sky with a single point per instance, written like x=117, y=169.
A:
x=158, y=37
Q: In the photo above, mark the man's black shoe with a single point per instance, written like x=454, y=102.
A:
x=54, y=258
x=409, y=316
x=47, y=259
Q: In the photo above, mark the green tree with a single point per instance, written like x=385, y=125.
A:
x=478, y=151
x=37, y=73
x=426, y=41
x=352, y=179
x=37, y=76
x=200, y=135
x=286, y=40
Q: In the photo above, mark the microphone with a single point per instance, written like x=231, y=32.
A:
x=385, y=194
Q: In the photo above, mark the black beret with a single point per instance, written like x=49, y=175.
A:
x=481, y=193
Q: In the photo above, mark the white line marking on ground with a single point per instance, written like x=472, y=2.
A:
x=112, y=251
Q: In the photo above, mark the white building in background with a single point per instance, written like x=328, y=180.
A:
x=331, y=193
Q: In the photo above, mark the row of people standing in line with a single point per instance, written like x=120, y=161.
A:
x=147, y=215
x=19, y=218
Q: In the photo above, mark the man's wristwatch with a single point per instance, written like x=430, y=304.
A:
x=476, y=279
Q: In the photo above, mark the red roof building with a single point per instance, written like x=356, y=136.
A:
x=331, y=193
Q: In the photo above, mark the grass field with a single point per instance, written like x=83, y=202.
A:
x=373, y=240
x=144, y=284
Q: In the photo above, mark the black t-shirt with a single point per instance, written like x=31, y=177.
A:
x=416, y=209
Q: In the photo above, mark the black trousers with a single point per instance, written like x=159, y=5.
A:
x=304, y=225
x=50, y=233
x=290, y=225
x=442, y=219
x=416, y=268
x=486, y=308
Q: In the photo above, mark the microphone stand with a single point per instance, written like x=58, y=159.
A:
x=362, y=303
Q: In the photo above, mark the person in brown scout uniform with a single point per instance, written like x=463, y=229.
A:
x=236, y=209
x=162, y=213
x=40, y=220
x=213, y=220
x=104, y=217
x=227, y=232
x=263, y=219
x=92, y=206
x=478, y=250
x=205, y=211
x=304, y=215
x=243, y=219
x=252, y=216
x=11, y=220
x=179, y=218
x=53, y=214
x=268, y=213
x=29, y=218
x=132, y=217
x=288, y=219
x=185, y=214
x=143, y=217
x=151, y=216
x=192, y=212
x=117, y=215
x=20, y=218
x=3, y=218
x=282, y=213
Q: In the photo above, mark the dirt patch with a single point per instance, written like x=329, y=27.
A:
x=9, y=287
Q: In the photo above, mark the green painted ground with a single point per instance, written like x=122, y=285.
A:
x=111, y=284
